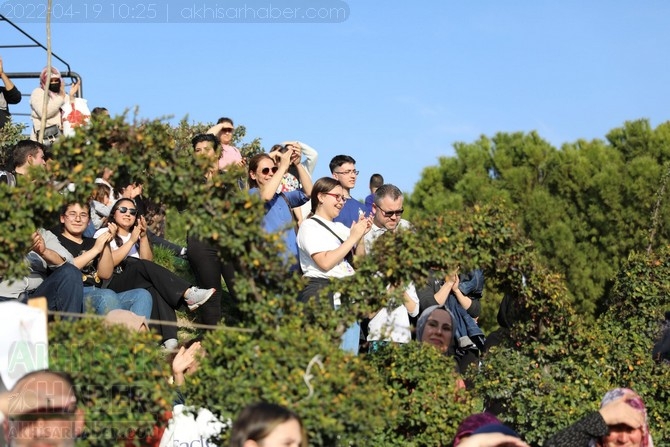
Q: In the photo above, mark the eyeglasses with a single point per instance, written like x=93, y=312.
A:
x=391, y=213
x=124, y=210
x=338, y=197
x=73, y=216
x=349, y=172
x=266, y=171
x=227, y=129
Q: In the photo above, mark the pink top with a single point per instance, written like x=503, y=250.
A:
x=229, y=155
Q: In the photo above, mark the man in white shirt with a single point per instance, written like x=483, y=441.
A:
x=390, y=324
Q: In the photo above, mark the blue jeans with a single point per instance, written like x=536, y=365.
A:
x=63, y=289
x=351, y=338
x=101, y=301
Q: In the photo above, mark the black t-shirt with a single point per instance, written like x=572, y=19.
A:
x=90, y=270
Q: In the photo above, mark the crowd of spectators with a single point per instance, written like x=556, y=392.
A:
x=99, y=258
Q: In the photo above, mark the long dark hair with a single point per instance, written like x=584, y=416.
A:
x=111, y=219
x=323, y=185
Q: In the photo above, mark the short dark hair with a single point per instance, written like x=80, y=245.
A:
x=339, y=160
x=225, y=119
x=387, y=190
x=99, y=111
x=204, y=137
x=23, y=150
x=376, y=180
x=256, y=421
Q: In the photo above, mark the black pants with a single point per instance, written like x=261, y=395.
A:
x=313, y=288
x=158, y=241
x=208, y=267
x=166, y=288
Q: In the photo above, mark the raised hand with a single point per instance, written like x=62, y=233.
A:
x=620, y=412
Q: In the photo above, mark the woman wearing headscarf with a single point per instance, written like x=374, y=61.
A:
x=56, y=97
x=435, y=326
x=621, y=421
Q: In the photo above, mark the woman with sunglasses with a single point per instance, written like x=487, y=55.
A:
x=132, y=257
x=265, y=176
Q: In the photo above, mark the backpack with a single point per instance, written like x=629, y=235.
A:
x=7, y=177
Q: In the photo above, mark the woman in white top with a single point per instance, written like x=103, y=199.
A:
x=133, y=257
x=325, y=247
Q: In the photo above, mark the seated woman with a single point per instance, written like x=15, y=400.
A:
x=132, y=258
x=94, y=258
x=265, y=176
x=326, y=247
x=460, y=294
x=621, y=420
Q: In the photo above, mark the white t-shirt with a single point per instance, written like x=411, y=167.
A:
x=313, y=238
x=134, y=253
x=391, y=326
x=394, y=326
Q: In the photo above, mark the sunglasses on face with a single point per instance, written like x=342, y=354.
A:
x=266, y=171
x=125, y=209
x=227, y=129
x=392, y=213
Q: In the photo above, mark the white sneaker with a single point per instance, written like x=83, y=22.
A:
x=196, y=297
x=170, y=344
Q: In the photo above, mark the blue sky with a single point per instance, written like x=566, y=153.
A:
x=393, y=85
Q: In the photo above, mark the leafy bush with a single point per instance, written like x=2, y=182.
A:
x=120, y=378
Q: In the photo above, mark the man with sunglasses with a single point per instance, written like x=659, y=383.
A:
x=391, y=326
x=343, y=169
x=41, y=409
x=386, y=213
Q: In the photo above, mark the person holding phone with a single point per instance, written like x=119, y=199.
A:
x=265, y=176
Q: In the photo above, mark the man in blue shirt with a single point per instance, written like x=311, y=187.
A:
x=343, y=168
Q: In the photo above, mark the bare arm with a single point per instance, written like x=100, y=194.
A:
x=50, y=256
x=305, y=179
x=269, y=190
x=85, y=258
x=8, y=82
x=326, y=260
x=464, y=301
x=442, y=294
x=145, y=246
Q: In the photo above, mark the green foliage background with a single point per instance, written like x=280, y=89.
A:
x=562, y=232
